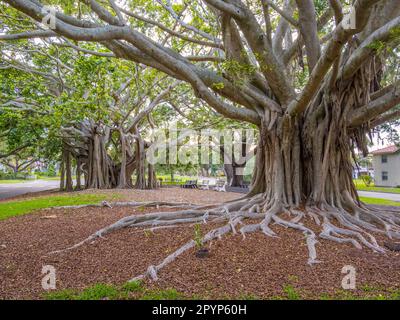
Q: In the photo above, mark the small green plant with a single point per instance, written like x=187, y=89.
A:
x=147, y=233
x=291, y=292
x=198, y=236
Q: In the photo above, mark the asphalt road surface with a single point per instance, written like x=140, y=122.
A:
x=15, y=189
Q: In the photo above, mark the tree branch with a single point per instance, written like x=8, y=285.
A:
x=333, y=49
x=309, y=31
x=283, y=13
x=375, y=108
x=13, y=152
x=387, y=117
x=366, y=48
x=29, y=35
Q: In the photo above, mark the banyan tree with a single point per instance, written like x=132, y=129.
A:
x=108, y=155
x=312, y=76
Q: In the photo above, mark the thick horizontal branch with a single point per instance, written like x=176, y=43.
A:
x=375, y=108
x=13, y=152
x=387, y=117
x=383, y=91
x=29, y=35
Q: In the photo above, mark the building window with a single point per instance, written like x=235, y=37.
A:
x=385, y=176
x=384, y=158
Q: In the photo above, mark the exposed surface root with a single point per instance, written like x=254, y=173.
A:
x=129, y=204
x=336, y=224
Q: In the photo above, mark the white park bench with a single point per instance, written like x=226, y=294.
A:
x=220, y=186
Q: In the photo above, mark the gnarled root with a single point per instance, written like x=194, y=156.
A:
x=335, y=224
x=134, y=204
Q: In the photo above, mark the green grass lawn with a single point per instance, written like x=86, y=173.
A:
x=14, y=181
x=15, y=208
x=360, y=185
x=51, y=178
x=136, y=290
x=382, y=202
x=166, y=179
x=130, y=290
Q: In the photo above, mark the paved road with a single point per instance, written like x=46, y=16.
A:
x=15, y=189
x=380, y=195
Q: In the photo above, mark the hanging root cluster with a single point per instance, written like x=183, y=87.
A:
x=256, y=213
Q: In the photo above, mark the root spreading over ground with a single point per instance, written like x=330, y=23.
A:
x=256, y=213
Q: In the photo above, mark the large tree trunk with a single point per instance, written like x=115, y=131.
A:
x=100, y=176
x=234, y=174
x=62, y=173
x=140, y=165
x=123, y=181
x=234, y=164
x=68, y=171
x=308, y=159
x=277, y=169
x=151, y=177
x=78, y=174
x=310, y=167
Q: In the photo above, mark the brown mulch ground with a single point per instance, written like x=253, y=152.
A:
x=258, y=265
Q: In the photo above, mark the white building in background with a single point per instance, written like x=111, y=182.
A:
x=386, y=163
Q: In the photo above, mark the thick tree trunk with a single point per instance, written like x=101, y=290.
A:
x=62, y=173
x=234, y=175
x=78, y=174
x=100, y=168
x=123, y=183
x=278, y=168
x=151, y=177
x=140, y=165
x=308, y=160
x=310, y=167
x=68, y=171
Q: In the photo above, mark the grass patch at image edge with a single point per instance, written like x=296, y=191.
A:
x=19, y=207
x=130, y=290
